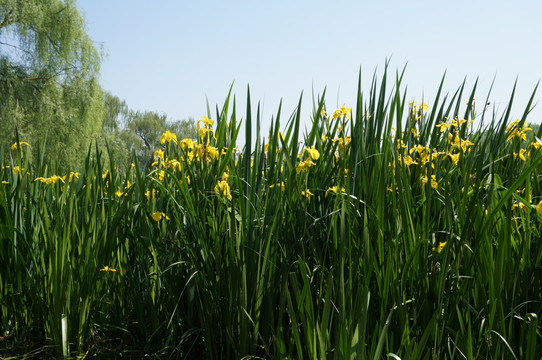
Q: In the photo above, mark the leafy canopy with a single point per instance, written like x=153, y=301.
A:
x=49, y=70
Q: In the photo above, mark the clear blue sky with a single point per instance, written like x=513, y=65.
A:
x=168, y=56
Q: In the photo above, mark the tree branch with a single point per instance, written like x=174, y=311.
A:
x=18, y=48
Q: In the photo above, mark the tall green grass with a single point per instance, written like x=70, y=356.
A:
x=392, y=230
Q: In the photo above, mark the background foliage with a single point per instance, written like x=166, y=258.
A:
x=49, y=90
x=48, y=77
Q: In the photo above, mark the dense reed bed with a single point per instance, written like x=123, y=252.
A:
x=391, y=230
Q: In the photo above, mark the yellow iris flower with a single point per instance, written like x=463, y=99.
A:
x=223, y=189
x=440, y=247
x=50, y=180
x=107, y=268
x=187, y=143
x=539, y=208
x=119, y=193
x=168, y=136
x=19, y=145
x=158, y=215
x=304, y=165
x=335, y=189
x=281, y=184
x=206, y=122
x=307, y=193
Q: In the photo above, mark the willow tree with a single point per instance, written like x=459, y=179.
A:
x=49, y=71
